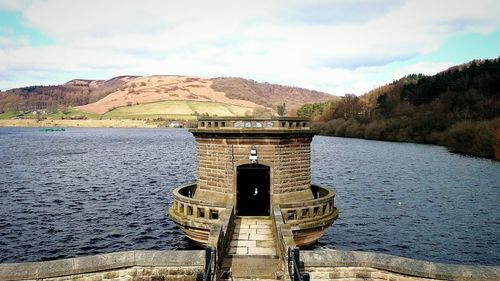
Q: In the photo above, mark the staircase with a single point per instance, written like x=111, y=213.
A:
x=252, y=254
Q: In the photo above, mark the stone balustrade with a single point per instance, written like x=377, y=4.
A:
x=191, y=211
x=246, y=123
x=311, y=211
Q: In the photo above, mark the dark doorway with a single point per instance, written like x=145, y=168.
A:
x=252, y=190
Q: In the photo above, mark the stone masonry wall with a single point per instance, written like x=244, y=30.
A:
x=325, y=265
x=122, y=266
x=289, y=159
x=358, y=273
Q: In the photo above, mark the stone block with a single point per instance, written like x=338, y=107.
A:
x=262, y=237
x=103, y=262
x=261, y=251
x=243, y=243
x=170, y=258
x=110, y=275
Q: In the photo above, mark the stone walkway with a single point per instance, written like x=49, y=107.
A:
x=253, y=236
x=252, y=254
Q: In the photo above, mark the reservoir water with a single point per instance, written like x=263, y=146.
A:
x=89, y=191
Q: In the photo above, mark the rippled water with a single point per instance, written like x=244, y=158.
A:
x=87, y=191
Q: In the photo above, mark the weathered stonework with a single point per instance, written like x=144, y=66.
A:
x=353, y=265
x=120, y=266
x=183, y=266
x=282, y=155
x=289, y=158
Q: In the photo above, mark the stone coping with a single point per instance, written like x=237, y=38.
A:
x=405, y=266
x=95, y=263
x=249, y=118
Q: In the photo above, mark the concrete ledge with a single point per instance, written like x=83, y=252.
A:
x=96, y=263
x=400, y=265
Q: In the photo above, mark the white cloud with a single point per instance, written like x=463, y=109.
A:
x=332, y=46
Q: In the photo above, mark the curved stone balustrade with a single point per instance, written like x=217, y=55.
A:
x=187, y=211
x=315, y=211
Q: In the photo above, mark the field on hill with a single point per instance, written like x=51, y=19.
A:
x=176, y=109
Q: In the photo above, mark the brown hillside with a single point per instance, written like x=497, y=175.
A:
x=268, y=95
x=100, y=96
x=161, y=88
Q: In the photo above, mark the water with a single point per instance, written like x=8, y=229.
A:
x=88, y=191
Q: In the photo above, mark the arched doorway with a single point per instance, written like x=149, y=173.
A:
x=252, y=190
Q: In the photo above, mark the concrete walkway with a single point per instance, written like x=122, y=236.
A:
x=252, y=254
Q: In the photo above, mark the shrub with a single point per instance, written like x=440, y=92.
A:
x=474, y=138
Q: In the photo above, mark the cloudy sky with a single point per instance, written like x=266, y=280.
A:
x=334, y=46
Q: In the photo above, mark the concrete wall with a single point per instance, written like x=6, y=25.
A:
x=131, y=265
x=352, y=265
x=289, y=158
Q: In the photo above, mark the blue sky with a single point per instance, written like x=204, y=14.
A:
x=335, y=46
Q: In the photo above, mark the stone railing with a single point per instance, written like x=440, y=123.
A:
x=342, y=265
x=220, y=237
x=311, y=211
x=242, y=123
x=192, y=212
x=284, y=237
x=131, y=265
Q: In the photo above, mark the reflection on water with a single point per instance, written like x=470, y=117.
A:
x=87, y=191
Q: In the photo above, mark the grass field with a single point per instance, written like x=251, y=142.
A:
x=175, y=110
x=141, y=115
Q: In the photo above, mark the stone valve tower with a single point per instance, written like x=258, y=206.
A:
x=252, y=167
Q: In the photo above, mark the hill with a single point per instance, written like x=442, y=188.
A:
x=104, y=96
x=458, y=108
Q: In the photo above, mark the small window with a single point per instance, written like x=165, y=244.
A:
x=209, y=124
x=305, y=214
x=223, y=124
x=317, y=211
x=201, y=213
x=202, y=124
x=189, y=210
x=291, y=215
x=283, y=124
x=216, y=124
x=214, y=214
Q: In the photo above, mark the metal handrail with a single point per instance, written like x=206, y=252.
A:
x=294, y=266
x=210, y=262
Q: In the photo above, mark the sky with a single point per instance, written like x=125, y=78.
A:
x=336, y=46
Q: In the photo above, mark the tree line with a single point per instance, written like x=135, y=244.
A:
x=458, y=108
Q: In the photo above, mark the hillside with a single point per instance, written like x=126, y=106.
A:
x=458, y=108
x=266, y=94
x=104, y=96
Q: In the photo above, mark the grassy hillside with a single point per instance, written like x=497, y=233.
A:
x=101, y=96
x=69, y=113
x=183, y=109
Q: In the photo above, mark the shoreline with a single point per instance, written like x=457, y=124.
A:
x=88, y=123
